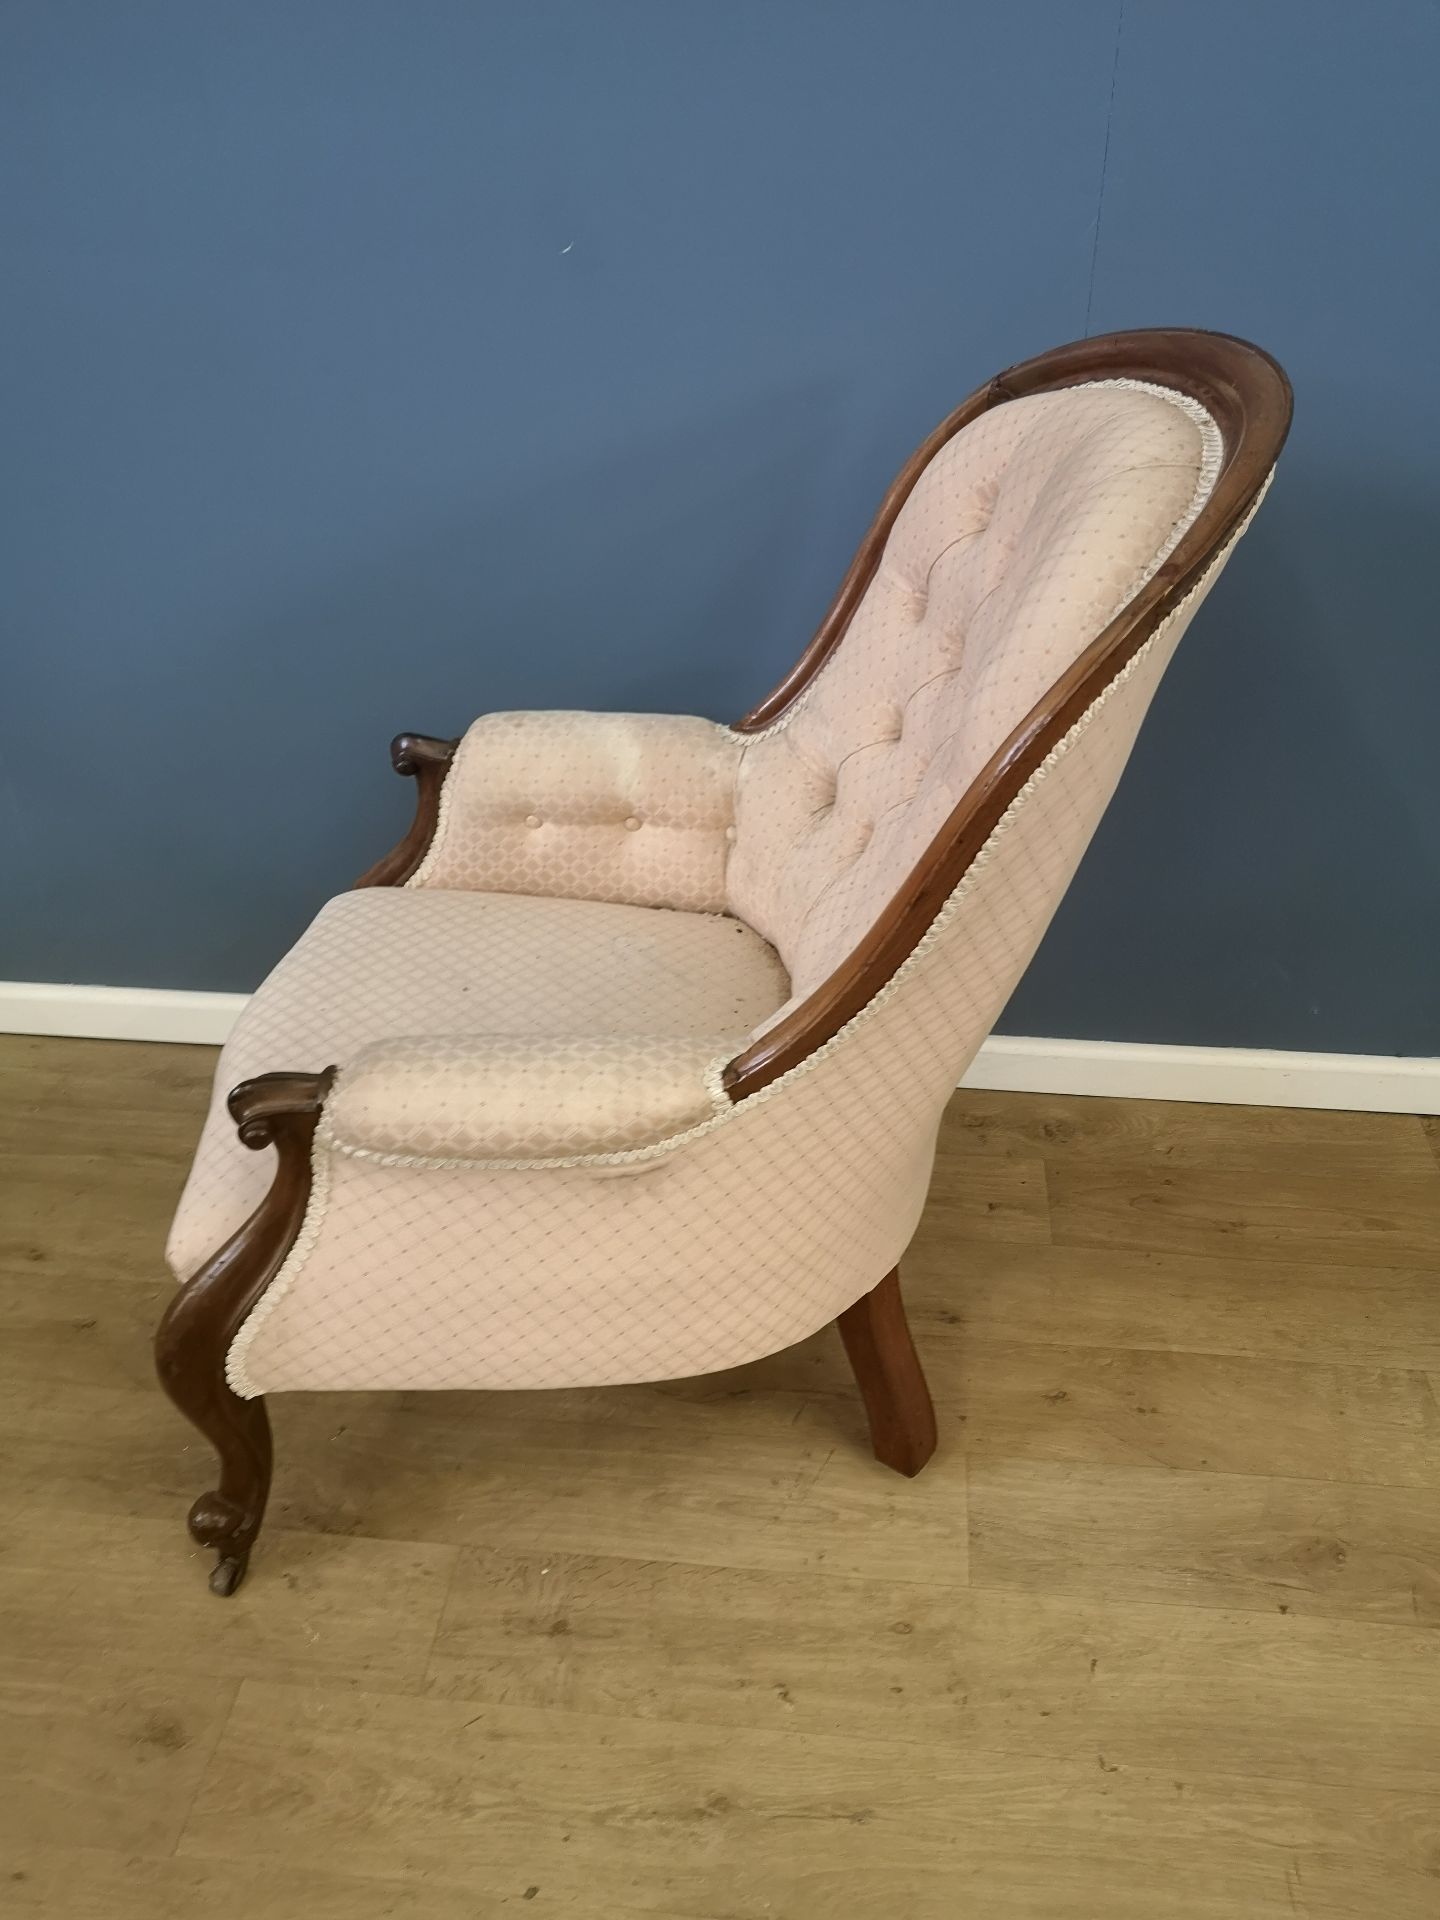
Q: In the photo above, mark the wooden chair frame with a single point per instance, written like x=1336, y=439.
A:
x=1249, y=397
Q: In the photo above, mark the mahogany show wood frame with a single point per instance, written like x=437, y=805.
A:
x=1249, y=397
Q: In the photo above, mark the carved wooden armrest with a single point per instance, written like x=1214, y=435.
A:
x=426, y=760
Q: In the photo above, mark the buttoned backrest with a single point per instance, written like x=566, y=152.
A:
x=1029, y=530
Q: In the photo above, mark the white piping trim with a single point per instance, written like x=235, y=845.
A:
x=1212, y=452
x=316, y=1207
x=450, y=784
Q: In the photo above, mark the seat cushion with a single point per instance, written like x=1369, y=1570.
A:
x=385, y=963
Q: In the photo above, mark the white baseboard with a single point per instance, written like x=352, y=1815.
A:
x=1225, y=1076
x=118, y=1013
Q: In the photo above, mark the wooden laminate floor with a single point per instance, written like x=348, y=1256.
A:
x=1156, y=1634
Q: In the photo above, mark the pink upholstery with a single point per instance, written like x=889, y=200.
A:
x=1022, y=539
x=732, y=1243
x=500, y=1100
x=525, y=1175
x=634, y=807
x=387, y=964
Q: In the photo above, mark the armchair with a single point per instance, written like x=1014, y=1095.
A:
x=628, y=1061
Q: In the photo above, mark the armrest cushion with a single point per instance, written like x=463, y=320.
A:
x=501, y=1100
x=633, y=807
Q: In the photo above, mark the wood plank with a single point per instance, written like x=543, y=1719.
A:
x=1322, y=1215
x=1195, y=1411
x=97, y=1138
x=343, y=1611
x=1208, y=1540
x=80, y=1330
x=1172, y=1302
x=113, y=1429
x=723, y=1822
x=983, y=1197
x=100, y=1450
x=791, y=1485
x=795, y=1497
x=70, y=1214
x=115, y=1761
x=103, y=1097
x=674, y=1612
x=1191, y=1410
x=49, y=1080
x=1177, y=1133
x=85, y=1883
x=1049, y=1675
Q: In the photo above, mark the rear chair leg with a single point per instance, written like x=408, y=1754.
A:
x=890, y=1378
x=194, y=1336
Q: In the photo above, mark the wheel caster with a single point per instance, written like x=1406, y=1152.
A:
x=229, y=1572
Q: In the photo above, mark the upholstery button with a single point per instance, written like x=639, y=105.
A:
x=532, y=819
x=729, y=833
x=631, y=824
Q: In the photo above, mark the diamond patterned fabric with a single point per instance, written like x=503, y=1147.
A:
x=1022, y=539
x=736, y=1243
x=384, y=963
x=507, y=1098
x=569, y=1014
x=631, y=807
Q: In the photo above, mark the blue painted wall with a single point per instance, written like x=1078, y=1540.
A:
x=371, y=365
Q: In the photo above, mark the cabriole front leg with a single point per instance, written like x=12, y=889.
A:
x=194, y=1336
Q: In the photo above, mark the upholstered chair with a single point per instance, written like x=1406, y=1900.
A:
x=628, y=1062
